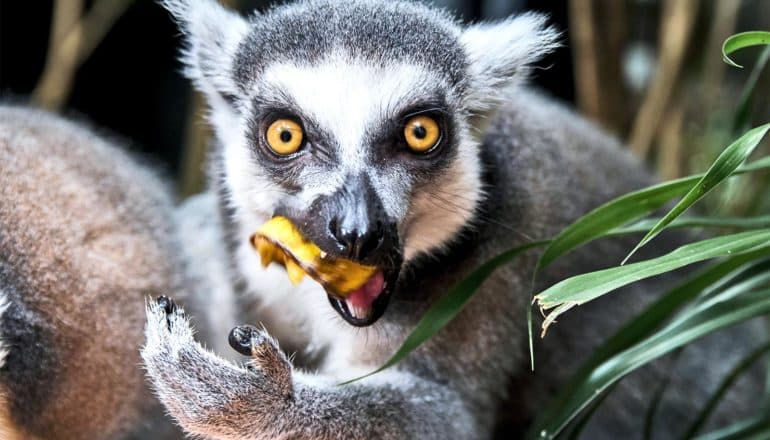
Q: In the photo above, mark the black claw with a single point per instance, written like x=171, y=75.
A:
x=167, y=304
x=241, y=338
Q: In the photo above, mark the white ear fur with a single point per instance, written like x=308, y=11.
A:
x=212, y=35
x=500, y=54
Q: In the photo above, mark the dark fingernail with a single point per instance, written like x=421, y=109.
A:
x=240, y=339
x=166, y=304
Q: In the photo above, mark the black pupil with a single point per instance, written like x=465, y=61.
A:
x=285, y=136
x=419, y=132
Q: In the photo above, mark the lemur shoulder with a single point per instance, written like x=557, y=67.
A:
x=406, y=141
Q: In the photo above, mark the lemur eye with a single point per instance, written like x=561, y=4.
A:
x=284, y=136
x=421, y=133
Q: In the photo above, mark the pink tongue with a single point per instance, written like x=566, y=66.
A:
x=365, y=296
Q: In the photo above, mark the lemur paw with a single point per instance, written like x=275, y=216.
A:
x=199, y=388
x=167, y=328
x=265, y=355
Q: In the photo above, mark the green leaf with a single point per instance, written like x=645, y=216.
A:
x=448, y=306
x=714, y=277
x=719, y=276
x=582, y=288
x=743, y=110
x=671, y=337
x=585, y=416
x=613, y=214
x=622, y=210
x=724, y=166
x=642, y=226
x=758, y=276
x=660, y=391
x=742, y=40
x=759, y=164
x=458, y=296
x=716, y=397
x=756, y=428
x=590, y=227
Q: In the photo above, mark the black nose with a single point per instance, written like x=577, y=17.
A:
x=351, y=222
x=357, y=241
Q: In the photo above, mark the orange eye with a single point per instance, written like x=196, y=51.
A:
x=284, y=136
x=421, y=133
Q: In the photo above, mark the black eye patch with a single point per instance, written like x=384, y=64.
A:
x=389, y=144
x=319, y=147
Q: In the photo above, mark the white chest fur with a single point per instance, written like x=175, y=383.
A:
x=302, y=317
x=299, y=317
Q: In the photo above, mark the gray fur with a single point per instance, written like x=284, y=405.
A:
x=85, y=235
x=264, y=399
x=479, y=361
x=304, y=32
x=541, y=167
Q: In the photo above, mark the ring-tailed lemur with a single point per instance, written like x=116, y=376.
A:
x=389, y=133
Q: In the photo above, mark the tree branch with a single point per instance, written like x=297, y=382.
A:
x=72, y=42
x=678, y=18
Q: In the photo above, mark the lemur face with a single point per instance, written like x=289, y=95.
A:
x=354, y=121
x=375, y=145
x=372, y=162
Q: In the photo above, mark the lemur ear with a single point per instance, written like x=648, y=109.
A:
x=501, y=53
x=212, y=35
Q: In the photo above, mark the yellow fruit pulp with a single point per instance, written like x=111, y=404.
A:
x=280, y=241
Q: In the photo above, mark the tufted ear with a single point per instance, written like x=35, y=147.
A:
x=212, y=35
x=500, y=54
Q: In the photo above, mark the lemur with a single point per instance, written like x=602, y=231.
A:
x=389, y=133
x=410, y=145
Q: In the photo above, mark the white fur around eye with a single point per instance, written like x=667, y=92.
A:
x=348, y=97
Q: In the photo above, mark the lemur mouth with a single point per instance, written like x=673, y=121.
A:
x=358, y=290
x=364, y=306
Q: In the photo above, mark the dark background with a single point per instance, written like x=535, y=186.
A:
x=621, y=65
x=132, y=82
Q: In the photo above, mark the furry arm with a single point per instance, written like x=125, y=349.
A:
x=266, y=399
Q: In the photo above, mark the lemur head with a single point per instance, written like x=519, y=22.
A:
x=357, y=120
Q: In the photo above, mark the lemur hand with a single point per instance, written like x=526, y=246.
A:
x=266, y=399
x=208, y=395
